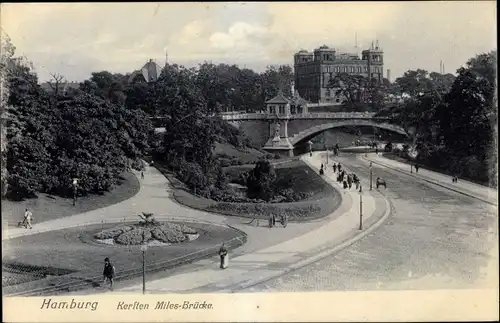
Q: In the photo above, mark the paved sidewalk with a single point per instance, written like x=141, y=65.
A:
x=266, y=263
x=484, y=193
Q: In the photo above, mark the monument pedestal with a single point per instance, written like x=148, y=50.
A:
x=279, y=145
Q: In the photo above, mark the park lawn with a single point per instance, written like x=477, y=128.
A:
x=246, y=156
x=323, y=199
x=47, y=207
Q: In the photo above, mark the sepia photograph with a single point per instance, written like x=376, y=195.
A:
x=331, y=160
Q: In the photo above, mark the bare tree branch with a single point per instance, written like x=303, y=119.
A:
x=58, y=79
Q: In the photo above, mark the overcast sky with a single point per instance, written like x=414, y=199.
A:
x=77, y=39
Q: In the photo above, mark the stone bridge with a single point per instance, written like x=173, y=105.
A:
x=281, y=132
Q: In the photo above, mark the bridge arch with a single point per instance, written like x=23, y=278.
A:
x=311, y=131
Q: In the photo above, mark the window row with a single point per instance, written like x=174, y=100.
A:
x=346, y=69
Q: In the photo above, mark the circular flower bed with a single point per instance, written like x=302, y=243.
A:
x=149, y=232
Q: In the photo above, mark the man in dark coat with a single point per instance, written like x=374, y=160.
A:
x=108, y=272
x=334, y=167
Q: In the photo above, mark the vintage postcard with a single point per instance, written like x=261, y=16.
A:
x=259, y=161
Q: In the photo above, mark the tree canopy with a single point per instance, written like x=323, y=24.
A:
x=57, y=136
x=453, y=119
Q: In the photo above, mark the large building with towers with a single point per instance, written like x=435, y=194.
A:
x=315, y=70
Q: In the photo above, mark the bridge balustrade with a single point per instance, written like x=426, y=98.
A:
x=310, y=115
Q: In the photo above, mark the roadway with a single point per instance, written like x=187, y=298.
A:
x=434, y=238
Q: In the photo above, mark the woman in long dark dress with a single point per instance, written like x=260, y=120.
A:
x=223, y=257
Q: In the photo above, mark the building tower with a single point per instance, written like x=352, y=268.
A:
x=166, y=57
x=303, y=62
x=389, y=75
x=375, y=61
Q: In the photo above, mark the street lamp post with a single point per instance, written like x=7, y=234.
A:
x=371, y=176
x=144, y=248
x=75, y=190
x=360, y=210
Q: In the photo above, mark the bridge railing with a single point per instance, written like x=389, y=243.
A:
x=310, y=115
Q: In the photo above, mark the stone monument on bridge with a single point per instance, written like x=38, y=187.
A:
x=279, y=109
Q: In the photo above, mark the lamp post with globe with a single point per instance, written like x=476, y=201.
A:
x=75, y=190
x=360, y=208
x=371, y=175
x=144, y=248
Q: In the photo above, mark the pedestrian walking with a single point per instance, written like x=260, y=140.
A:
x=334, y=167
x=345, y=185
x=142, y=174
x=224, y=258
x=108, y=272
x=416, y=168
x=349, y=180
x=274, y=220
x=270, y=220
x=28, y=217
x=339, y=167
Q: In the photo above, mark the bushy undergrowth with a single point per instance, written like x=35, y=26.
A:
x=263, y=210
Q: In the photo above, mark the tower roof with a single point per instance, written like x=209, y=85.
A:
x=279, y=98
x=151, y=71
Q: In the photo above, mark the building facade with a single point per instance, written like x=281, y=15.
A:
x=315, y=70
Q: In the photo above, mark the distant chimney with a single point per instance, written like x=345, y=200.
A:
x=389, y=75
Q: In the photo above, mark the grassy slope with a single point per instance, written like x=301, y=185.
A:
x=47, y=207
x=246, y=156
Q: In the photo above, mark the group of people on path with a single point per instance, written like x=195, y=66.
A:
x=347, y=180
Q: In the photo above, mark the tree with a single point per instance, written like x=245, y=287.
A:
x=453, y=118
x=467, y=120
x=260, y=181
x=54, y=138
x=350, y=87
x=276, y=78
x=7, y=50
x=413, y=83
x=55, y=85
x=376, y=93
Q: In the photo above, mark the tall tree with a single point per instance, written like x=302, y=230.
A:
x=350, y=88
x=468, y=118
